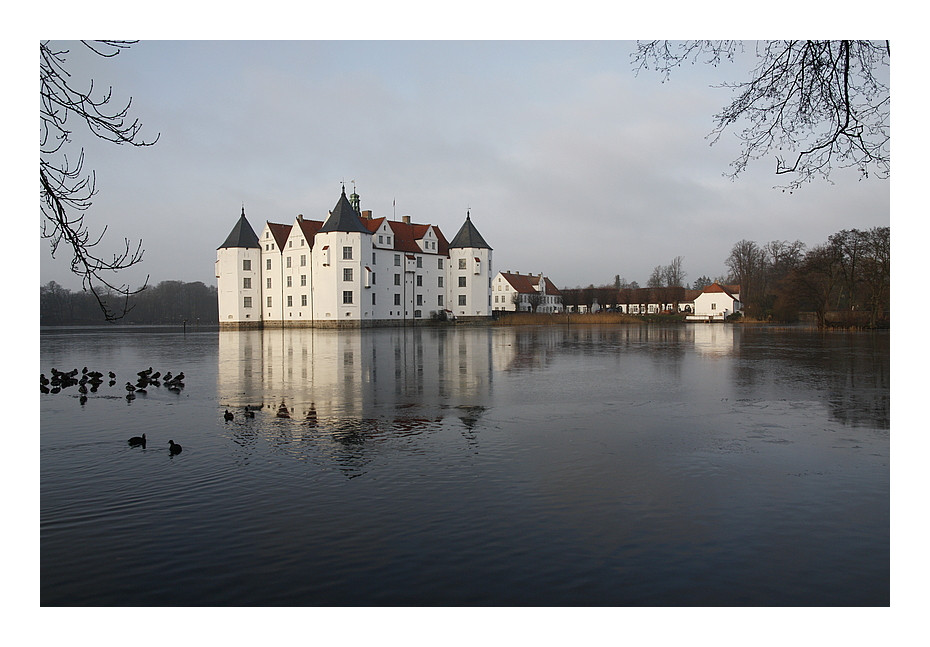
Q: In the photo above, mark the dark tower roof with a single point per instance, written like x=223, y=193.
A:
x=468, y=236
x=344, y=218
x=242, y=235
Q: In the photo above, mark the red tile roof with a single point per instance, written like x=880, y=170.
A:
x=309, y=228
x=279, y=233
x=526, y=283
x=405, y=234
x=729, y=290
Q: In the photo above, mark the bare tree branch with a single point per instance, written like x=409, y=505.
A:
x=66, y=190
x=815, y=104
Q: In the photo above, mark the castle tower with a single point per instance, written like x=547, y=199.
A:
x=469, y=273
x=238, y=277
x=340, y=250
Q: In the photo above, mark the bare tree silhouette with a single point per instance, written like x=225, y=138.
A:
x=66, y=189
x=815, y=104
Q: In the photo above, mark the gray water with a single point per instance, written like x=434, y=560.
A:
x=621, y=466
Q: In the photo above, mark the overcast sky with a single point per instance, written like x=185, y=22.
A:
x=571, y=164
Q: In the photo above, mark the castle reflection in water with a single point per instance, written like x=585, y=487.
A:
x=348, y=374
x=359, y=373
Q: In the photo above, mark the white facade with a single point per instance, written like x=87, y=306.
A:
x=715, y=302
x=512, y=291
x=350, y=270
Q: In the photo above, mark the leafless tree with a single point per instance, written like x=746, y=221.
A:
x=657, y=278
x=66, y=188
x=701, y=282
x=746, y=263
x=816, y=104
x=534, y=300
x=674, y=273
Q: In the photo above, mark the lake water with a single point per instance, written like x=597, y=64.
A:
x=604, y=465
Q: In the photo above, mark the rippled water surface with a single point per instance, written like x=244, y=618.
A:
x=634, y=465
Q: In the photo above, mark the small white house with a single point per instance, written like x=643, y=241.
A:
x=512, y=291
x=716, y=302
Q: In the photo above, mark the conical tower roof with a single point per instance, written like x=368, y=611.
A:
x=344, y=218
x=468, y=236
x=242, y=235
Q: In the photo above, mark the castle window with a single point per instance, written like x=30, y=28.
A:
x=397, y=260
x=461, y=281
x=267, y=263
x=303, y=299
x=290, y=301
x=419, y=261
x=268, y=283
x=419, y=281
x=288, y=281
x=397, y=279
x=347, y=296
x=303, y=280
x=246, y=283
x=461, y=299
x=287, y=262
x=440, y=300
x=419, y=299
x=269, y=302
x=347, y=272
x=303, y=259
x=347, y=253
x=246, y=302
x=396, y=299
x=247, y=265
x=440, y=282
x=462, y=264
x=440, y=263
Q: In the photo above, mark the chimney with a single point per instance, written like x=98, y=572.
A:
x=366, y=214
x=300, y=217
x=406, y=219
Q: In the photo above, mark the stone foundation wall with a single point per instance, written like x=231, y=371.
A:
x=350, y=324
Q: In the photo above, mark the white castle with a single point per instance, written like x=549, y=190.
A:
x=351, y=270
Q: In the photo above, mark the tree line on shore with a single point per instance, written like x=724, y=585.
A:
x=845, y=281
x=169, y=302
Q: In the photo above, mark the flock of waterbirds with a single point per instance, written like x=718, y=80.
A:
x=90, y=381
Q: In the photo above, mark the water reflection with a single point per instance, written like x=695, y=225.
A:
x=348, y=374
x=506, y=466
x=350, y=388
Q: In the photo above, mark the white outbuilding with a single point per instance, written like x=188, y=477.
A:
x=716, y=302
